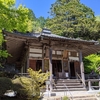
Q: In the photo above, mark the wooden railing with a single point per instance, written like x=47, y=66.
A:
x=23, y=74
x=80, y=79
x=90, y=86
x=67, y=90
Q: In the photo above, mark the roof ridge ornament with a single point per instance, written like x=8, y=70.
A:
x=46, y=31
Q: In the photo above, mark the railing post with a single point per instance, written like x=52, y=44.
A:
x=89, y=85
x=99, y=84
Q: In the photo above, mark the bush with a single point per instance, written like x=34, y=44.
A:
x=5, y=84
x=20, y=88
x=30, y=87
x=65, y=98
x=2, y=74
x=25, y=88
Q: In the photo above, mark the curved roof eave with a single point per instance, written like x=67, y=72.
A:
x=51, y=36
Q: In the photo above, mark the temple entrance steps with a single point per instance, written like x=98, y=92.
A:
x=84, y=98
x=68, y=85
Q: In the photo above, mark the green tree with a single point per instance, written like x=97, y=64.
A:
x=98, y=18
x=95, y=34
x=3, y=53
x=42, y=21
x=91, y=62
x=14, y=18
x=38, y=24
x=72, y=19
x=11, y=18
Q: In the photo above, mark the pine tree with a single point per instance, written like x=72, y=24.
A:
x=70, y=18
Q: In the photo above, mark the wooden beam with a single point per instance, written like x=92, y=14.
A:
x=43, y=58
x=81, y=67
x=50, y=67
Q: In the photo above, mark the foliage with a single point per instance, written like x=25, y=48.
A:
x=91, y=62
x=97, y=27
x=5, y=84
x=12, y=17
x=2, y=74
x=19, y=87
x=3, y=53
x=1, y=39
x=39, y=23
x=42, y=21
x=97, y=18
x=37, y=80
x=36, y=27
x=33, y=85
x=65, y=98
x=72, y=19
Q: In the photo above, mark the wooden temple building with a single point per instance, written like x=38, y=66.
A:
x=60, y=55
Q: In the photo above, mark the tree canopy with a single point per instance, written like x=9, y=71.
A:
x=13, y=18
x=98, y=18
x=39, y=23
x=92, y=62
x=70, y=18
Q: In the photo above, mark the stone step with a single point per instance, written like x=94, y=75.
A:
x=69, y=89
x=92, y=98
x=68, y=84
x=80, y=97
x=71, y=84
x=70, y=80
x=87, y=97
x=63, y=87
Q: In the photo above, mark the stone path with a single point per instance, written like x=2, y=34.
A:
x=73, y=95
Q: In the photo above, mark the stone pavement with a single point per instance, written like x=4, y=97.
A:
x=71, y=95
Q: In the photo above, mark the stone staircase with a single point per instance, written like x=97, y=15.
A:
x=68, y=85
x=87, y=97
x=80, y=97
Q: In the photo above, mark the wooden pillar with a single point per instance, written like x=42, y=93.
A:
x=69, y=75
x=43, y=65
x=62, y=68
x=99, y=84
x=81, y=67
x=50, y=67
x=22, y=70
x=28, y=59
x=27, y=63
x=43, y=59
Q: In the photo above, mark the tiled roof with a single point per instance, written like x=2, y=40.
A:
x=65, y=38
x=50, y=35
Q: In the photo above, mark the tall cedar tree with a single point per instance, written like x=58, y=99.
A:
x=70, y=18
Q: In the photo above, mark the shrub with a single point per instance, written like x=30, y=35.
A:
x=65, y=98
x=2, y=74
x=19, y=87
x=5, y=84
x=37, y=83
x=30, y=87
